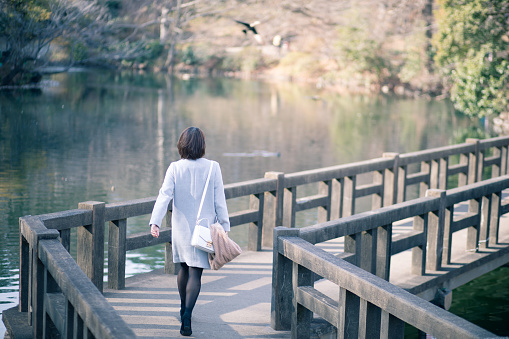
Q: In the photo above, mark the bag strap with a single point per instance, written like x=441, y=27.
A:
x=204, y=191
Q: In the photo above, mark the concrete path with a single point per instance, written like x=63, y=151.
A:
x=234, y=302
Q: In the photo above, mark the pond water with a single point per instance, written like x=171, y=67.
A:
x=110, y=136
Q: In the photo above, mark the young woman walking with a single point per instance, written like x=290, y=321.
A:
x=184, y=183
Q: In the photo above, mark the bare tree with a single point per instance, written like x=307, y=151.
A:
x=27, y=29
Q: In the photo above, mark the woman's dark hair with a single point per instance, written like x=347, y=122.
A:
x=191, y=144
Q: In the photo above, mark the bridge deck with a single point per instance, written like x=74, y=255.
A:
x=235, y=301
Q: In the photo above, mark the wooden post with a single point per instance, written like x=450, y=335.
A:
x=419, y=252
x=473, y=162
x=290, y=204
x=436, y=227
x=443, y=173
x=349, y=184
x=256, y=228
x=49, y=329
x=425, y=185
x=391, y=327
x=353, y=242
x=503, y=160
x=369, y=250
x=324, y=212
x=37, y=295
x=463, y=177
x=495, y=169
x=282, y=290
x=169, y=266
x=383, y=251
x=301, y=316
x=65, y=239
x=474, y=206
x=336, y=201
x=273, y=210
x=24, y=272
x=447, y=242
x=484, y=230
x=69, y=320
x=91, y=243
x=495, y=218
x=348, y=323
x=377, y=200
x=369, y=320
x=401, y=185
x=117, y=254
x=391, y=180
x=37, y=275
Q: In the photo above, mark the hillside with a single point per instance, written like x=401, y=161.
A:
x=356, y=46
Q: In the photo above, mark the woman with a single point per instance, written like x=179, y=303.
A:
x=184, y=182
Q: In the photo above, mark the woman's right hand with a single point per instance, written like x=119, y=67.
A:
x=154, y=230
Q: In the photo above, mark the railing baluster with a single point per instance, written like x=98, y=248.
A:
x=474, y=162
x=169, y=266
x=419, y=252
x=301, y=317
x=391, y=180
x=324, y=212
x=117, y=253
x=256, y=202
x=463, y=177
x=401, y=186
x=282, y=290
x=273, y=209
x=369, y=250
x=24, y=273
x=474, y=206
x=436, y=228
x=349, y=307
x=65, y=239
x=383, y=251
x=425, y=185
x=290, y=204
x=91, y=243
x=377, y=199
x=496, y=199
x=485, y=221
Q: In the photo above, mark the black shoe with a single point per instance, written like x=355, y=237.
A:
x=185, y=329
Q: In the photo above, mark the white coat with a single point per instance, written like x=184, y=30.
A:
x=184, y=183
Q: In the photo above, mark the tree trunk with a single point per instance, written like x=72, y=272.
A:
x=428, y=18
x=8, y=72
x=175, y=36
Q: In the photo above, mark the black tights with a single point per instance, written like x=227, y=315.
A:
x=189, y=284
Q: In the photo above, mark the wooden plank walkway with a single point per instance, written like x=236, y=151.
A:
x=235, y=301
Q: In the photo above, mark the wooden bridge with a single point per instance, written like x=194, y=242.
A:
x=391, y=234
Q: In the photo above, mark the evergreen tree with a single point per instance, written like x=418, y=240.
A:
x=472, y=51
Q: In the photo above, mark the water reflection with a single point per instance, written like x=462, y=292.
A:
x=110, y=137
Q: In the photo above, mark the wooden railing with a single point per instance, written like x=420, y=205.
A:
x=368, y=306
x=273, y=201
x=59, y=298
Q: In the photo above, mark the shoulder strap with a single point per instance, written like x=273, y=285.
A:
x=204, y=191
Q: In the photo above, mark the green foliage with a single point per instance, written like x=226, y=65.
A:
x=300, y=64
x=249, y=59
x=357, y=50
x=471, y=50
x=79, y=52
x=413, y=56
x=188, y=56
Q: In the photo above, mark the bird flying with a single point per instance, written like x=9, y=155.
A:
x=249, y=27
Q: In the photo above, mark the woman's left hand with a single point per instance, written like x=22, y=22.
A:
x=154, y=230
